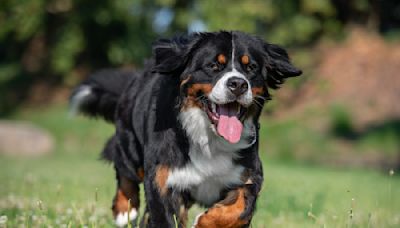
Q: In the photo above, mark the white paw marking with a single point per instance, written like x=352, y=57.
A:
x=122, y=218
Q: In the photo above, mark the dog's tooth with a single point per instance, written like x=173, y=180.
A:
x=239, y=107
x=213, y=107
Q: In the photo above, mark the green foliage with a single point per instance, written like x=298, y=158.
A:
x=341, y=123
x=289, y=23
x=55, y=42
x=59, y=41
x=55, y=37
x=70, y=43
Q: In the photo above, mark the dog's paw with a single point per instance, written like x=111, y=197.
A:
x=121, y=220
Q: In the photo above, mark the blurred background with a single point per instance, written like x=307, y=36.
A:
x=330, y=140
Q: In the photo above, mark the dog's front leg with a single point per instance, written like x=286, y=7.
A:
x=226, y=213
x=165, y=208
x=237, y=208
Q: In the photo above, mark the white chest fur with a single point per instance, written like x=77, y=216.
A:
x=206, y=176
x=211, y=167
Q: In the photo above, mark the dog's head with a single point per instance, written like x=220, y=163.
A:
x=224, y=76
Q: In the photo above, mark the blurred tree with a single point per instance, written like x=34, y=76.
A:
x=377, y=14
x=59, y=41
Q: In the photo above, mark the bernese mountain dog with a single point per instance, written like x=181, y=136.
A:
x=187, y=127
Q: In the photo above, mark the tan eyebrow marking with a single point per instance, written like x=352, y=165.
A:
x=245, y=59
x=221, y=58
x=257, y=90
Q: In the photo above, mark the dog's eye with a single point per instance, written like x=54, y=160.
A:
x=215, y=66
x=251, y=67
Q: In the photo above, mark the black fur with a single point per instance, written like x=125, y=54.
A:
x=145, y=106
x=106, y=88
x=279, y=67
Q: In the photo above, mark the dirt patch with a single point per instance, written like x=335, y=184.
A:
x=360, y=77
x=360, y=74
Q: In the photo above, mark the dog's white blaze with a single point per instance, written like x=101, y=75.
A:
x=211, y=167
x=220, y=93
x=233, y=54
x=122, y=218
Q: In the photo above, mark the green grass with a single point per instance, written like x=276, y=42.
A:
x=328, y=136
x=72, y=188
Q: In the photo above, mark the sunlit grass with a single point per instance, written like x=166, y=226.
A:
x=331, y=141
x=72, y=188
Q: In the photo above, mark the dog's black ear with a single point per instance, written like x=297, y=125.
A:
x=278, y=66
x=171, y=55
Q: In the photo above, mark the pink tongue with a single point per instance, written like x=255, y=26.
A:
x=229, y=126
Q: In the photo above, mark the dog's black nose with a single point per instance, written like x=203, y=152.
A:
x=237, y=86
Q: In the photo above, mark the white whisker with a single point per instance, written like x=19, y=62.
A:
x=261, y=97
x=257, y=103
x=202, y=97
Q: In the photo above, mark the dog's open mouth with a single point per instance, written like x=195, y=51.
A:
x=227, y=119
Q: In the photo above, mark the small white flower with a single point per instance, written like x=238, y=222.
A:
x=92, y=218
x=69, y=211
x=3, y=219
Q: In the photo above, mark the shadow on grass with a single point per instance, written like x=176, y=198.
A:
x=384, y=135
x=344, y=129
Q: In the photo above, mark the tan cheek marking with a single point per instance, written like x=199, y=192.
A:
x=196, y=88
x=161, y=178
x=221, y=59
x=257, y=90
x=190, y=102
x=193, y=91
x=225, y=215
x=245, y=59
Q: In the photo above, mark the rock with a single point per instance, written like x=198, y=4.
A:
x=23, y=138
